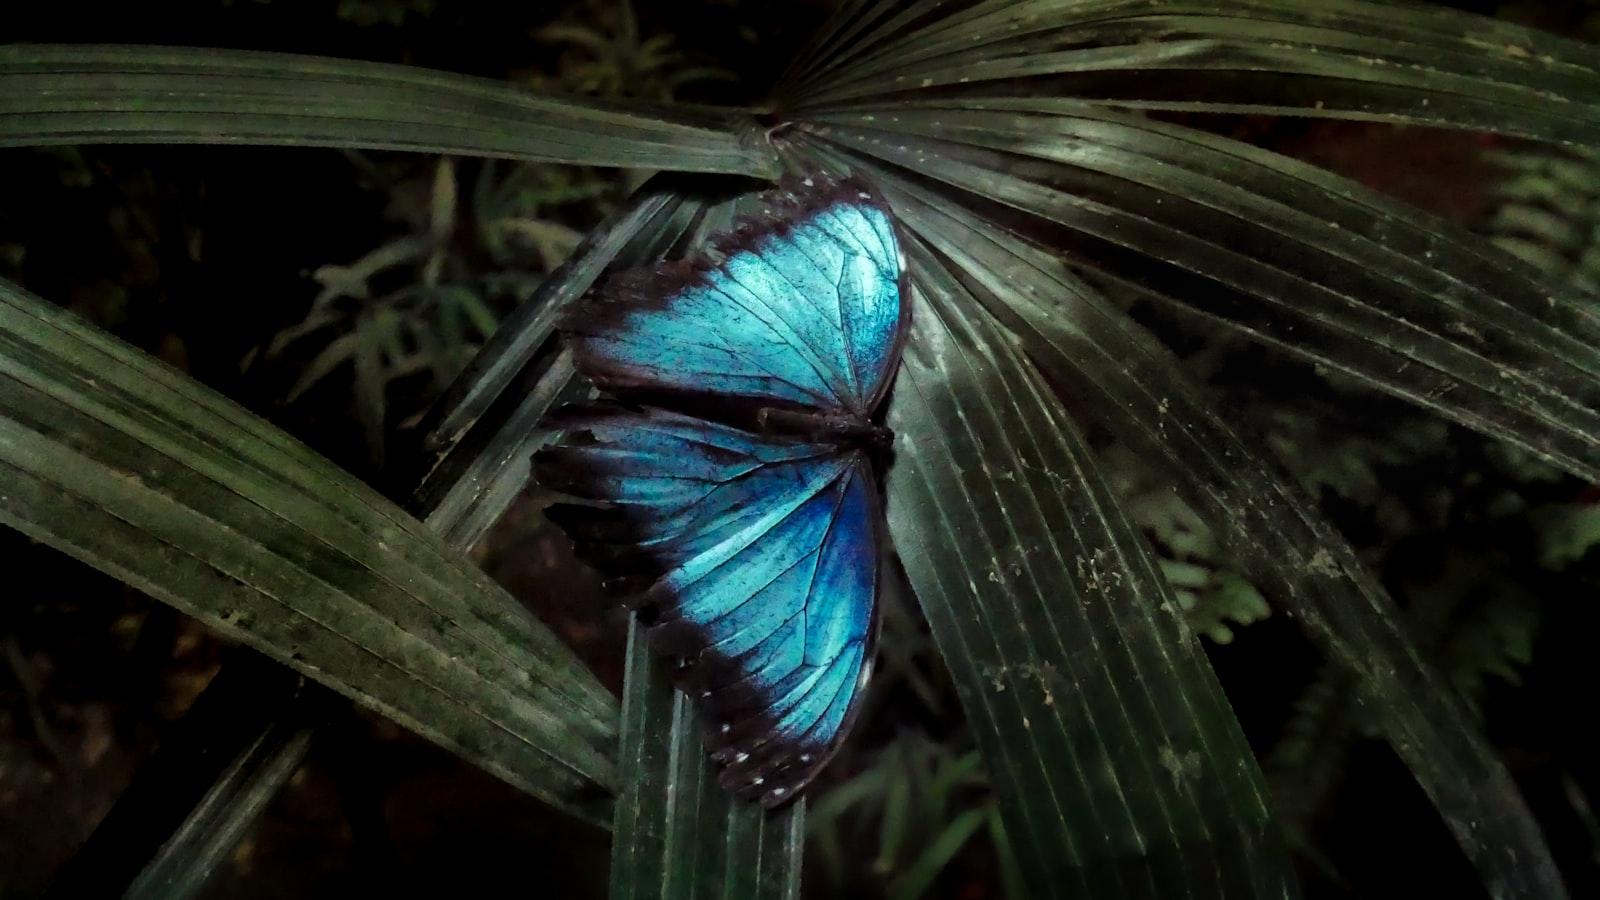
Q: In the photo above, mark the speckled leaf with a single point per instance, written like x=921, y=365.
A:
x=1137, y=390
x=1117, y=761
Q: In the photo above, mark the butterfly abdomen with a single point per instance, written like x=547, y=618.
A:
x=841, y=429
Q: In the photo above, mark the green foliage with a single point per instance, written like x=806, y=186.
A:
x=418, y=307
x=125, y=470
x=384, y=12
x=918, y=810
x=1467, y=528
x=906, y=816
x=1215, y=597
x=1098, y=752
x=605, y=53
x=1547, y=212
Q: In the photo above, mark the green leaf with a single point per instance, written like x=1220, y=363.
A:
x=209, y=779
x=922, y=873
x=678, y=834
x=1228, y=598
x=140, y=472
x=339, y=351
x=1279, y=250
x=823, y=818
x=834, y=41
x=114, y=94
x=1334, y=58
x=528, y=329
x=370, y=399
x=443, y=201
x=212, y=823
x=1128, y=382
x=1011, y=879
x=224, y=816
x=1115, y=757
x=896, y=810
x=484, y=486
x=1567, y=532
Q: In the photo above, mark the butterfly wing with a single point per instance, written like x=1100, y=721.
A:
x=801, y=305
x=754, y=562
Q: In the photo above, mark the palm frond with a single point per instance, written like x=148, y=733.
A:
x=483, y=431
x=1242, y=237
x=142, y=473
x=1331, y=271
x=1001, y=131
x=114, y=94
x=1342, y=59
x=1133, y=387
x=1114, y=755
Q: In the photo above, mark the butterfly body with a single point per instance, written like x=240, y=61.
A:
x=730, y=490
x=845, y=430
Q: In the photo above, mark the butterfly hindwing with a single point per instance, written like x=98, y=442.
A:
x=761, y=556
x=801, y=305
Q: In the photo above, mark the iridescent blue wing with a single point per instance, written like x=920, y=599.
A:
x=800, y=305
x=754, y=563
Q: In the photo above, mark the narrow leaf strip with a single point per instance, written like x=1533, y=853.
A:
x=191, y=800
x=856, y=28
x=678, y=835
x=75, y=94
x=654, y=217
x=486, y=426
x=225, y=815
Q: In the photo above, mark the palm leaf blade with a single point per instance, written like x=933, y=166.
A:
x=1345, y=59
x=1343, y=297
x=191, y=801
x=224, y=816
x=1131, y=385
x=677, y=833
x=484, y=431
x=110, y=94
x=467, y=488
x=143, y=474
x=1126, y=776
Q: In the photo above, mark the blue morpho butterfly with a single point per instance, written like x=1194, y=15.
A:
x=730, y=483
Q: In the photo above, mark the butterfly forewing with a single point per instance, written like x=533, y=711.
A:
x=799, y=306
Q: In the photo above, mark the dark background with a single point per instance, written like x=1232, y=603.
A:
x=211, y=257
